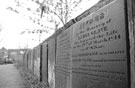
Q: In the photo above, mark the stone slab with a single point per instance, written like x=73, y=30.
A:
x=44, y=63
x=37, y=61
x=99, y=57
x=51, y=62
x=63, y=59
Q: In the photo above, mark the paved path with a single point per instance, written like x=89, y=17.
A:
x=10, y=77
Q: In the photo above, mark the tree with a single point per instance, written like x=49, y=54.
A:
x=62, y=9
x=29, y=10
x=57, y=12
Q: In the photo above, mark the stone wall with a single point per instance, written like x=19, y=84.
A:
x=94, y=50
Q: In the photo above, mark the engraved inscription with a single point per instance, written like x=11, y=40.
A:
x=63, y=59
x=63, y=51
x=99, y=58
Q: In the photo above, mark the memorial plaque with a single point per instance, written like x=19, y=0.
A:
x=63, y=59
x=44, y=62
x=51, y=62
x=99, y=58
x=37, y=62
x=32, y=62
x=25, y=60
x=29, y=60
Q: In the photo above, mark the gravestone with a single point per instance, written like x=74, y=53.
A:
x=32, y=61
x=99, y=58
x=29, y=60
x=63, y=59
x=37, y=62
x=25, y=59
x=44, y=62
x=51, y=62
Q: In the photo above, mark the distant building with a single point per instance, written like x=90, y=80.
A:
x=15, y=53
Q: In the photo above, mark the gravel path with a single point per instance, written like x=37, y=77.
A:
x=10, y=77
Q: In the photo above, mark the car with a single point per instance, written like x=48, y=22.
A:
x=9, y=61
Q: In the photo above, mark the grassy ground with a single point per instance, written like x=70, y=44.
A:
x=31, y=80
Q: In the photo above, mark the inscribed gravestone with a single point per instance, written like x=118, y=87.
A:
x=99, y=57
x=63, y=59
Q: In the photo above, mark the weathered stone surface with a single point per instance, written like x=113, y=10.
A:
x=37, y=61
x=32, y=61
x=63, y=59
x=29, y=59
x=51, y=62
x=44, y=63
x=131, y=26
x=99, y=57
x=25, y=59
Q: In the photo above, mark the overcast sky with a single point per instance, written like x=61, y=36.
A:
x=13, y=24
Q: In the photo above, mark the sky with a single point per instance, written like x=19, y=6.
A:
x=12, y=24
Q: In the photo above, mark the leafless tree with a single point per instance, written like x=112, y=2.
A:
x=62, y=9
x=55, y=11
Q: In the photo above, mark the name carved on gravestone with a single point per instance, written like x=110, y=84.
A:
x=99, y=57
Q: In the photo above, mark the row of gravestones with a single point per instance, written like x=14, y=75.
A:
x=92, y=53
